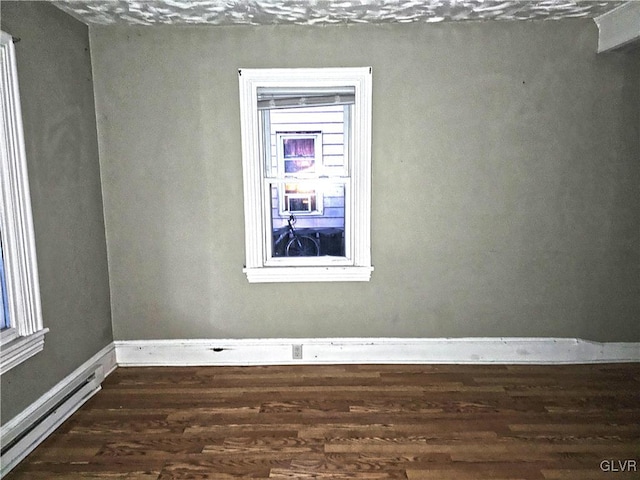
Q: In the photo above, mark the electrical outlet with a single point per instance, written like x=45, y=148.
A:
x=297, y=352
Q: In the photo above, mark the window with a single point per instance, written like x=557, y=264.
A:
x=22, y=332
x=306, y=155
x=299, y=156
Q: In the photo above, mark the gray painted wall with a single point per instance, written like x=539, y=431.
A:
x=54, y=70
x=505, y=182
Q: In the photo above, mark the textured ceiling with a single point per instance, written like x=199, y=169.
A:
x=310, y=12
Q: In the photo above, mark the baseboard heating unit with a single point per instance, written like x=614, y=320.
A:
x=22, y=434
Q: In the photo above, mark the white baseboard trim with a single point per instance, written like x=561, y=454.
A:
x=22, y=434
x=372, y=350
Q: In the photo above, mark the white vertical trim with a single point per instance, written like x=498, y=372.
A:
x=361, y=165
x=16, y=223
x=252, y=170
x=619, y=26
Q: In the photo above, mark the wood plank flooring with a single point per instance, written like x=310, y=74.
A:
x=376, y=422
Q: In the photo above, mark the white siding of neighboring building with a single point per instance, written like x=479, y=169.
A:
x=330, y=121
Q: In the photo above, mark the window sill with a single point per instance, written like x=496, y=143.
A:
x=308, y=274
x=16, y=351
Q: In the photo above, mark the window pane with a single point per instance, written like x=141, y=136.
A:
x=311, y=141
x=299, y=154
x=308, y=219
x=5, y=321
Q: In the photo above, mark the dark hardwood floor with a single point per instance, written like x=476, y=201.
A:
x=374, y=422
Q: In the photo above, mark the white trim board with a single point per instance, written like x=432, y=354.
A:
x=35, y=423
x=20, y=349
x=213, y=352
x=618, y=27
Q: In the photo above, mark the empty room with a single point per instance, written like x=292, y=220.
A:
x=369, y=239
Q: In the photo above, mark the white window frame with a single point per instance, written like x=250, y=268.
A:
x=25, y=337
x=356, y=265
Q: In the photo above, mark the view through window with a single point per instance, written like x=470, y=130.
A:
x=306, y=147
x=5, y=321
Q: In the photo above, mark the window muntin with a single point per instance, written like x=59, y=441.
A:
x=306, y=152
